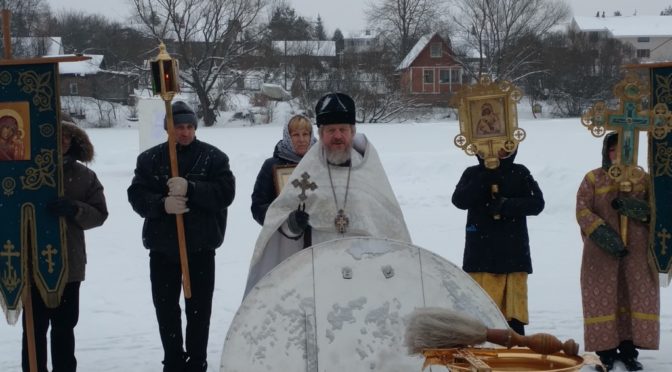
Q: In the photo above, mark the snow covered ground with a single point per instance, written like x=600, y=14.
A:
x=117, y=330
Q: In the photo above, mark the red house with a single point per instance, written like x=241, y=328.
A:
x=429, y=71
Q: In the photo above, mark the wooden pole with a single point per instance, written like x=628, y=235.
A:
x=27, y=277
x=179, y=219
x=30, y=325
x=6, y=36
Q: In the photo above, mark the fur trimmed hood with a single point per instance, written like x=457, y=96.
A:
x=81, y=147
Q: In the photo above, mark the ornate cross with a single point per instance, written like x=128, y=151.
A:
x=9, y=253
x=628, y=126
x=341, y=221
x=10, y=278
x=50, y=252
x=663, y=235
x=628, y=121
x=304, y=184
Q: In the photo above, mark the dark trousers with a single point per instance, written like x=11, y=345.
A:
x=63, y=320
x=517, y=326
x=166, y=277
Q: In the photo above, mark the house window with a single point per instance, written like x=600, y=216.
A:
x=593, y=36
x=643, y=39
x=428, y=76
x=435, y=50
x=455, y=76
x=643, y=53
x=444, y=76
x=73, y=89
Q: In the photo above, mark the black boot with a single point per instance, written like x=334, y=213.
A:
x=607, y=358
x=517, y=326
x=194, y=365
x=628, y=355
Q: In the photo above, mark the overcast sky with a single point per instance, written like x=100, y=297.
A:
x=348, y=15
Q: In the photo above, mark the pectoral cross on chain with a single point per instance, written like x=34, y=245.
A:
x=341, y=221
x=304, y=184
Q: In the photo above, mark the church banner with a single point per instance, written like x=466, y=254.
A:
x=31, y=239
x=660, y=168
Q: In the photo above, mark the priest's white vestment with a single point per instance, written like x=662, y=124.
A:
x=371, y=208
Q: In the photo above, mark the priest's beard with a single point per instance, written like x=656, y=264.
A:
x=337, y=157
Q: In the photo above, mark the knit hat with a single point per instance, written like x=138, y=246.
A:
x=182, y=114
x=335, y=108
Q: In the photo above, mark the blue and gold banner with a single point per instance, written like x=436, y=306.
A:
x=31, y=239
x=660, y=168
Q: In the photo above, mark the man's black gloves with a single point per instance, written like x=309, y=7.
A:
x=63, y=207
x=298, y=220
x=634, y=208
x=609, y=241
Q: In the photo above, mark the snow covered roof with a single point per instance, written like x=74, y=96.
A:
x=627, y=26
x=415, y=51
x=87, y=67
x=317, y=48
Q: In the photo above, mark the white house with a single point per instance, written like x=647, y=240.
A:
x=651, y=36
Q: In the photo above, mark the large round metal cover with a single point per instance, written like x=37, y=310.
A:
x=342, y=306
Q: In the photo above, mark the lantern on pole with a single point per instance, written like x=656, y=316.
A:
x=166, y=84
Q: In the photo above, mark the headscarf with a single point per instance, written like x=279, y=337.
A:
x=285, y=148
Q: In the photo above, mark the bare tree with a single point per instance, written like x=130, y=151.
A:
x=503, y=33
x=28, y=19
x=208, y=37
x=402, y=22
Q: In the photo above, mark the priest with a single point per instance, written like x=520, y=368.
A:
x=339, y=189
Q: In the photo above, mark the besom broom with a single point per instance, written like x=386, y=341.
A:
x=438, y=328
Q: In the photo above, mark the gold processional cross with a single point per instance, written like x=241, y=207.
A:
x=628, y=120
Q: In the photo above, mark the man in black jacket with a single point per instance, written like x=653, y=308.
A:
x=497, y=249
x=202, y=193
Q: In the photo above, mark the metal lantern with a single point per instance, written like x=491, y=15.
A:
x=165, y=77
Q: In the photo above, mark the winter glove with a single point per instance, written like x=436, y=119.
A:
x=634, y=208
x=176, y=204
x=177, y=186
x=298, y=220
x=609, y=241
x=62, y=207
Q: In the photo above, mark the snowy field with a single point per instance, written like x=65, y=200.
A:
x=117, y=329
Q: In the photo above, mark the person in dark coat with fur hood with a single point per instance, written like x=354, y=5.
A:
x=497, y=247
x=83, y=207
x=201, y=193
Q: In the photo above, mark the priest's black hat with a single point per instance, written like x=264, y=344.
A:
x=335, y=108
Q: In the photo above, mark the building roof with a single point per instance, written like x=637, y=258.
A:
x=415, y=51
x=627, y=26
x=87, y=67
x=316, y=48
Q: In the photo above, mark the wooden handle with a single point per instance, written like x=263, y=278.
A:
x=542, y=343
x=179, y=219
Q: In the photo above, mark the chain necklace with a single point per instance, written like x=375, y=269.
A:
x=341, y=221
